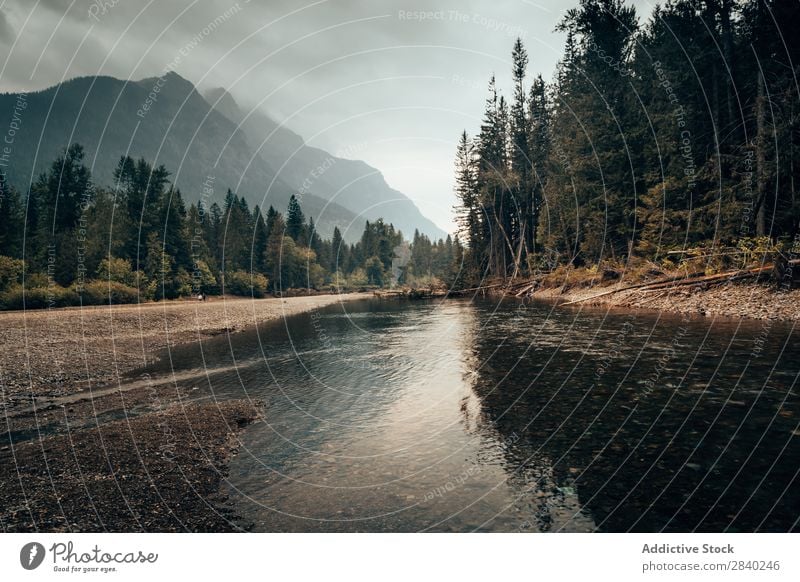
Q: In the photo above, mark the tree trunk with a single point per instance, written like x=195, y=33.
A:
x=727, y=53
x=761, y=159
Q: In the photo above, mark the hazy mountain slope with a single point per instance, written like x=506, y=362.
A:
x=178, y=129
x=351, y=183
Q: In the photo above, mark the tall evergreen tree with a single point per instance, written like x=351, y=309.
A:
x=295, y=221
x=522, y=222
x=260, y=237
x=11, y=217
x=339, y=251
x=60, y=194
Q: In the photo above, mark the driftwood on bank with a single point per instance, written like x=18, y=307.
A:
x=681, y=281
x=409, y=293
x=527, y=288
x=519, y=289
x=460, y=292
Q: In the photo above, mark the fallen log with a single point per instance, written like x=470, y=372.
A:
x=681, y=281
x=719, y=277
x=481, y=288
x=525, y=289
x=637, y=286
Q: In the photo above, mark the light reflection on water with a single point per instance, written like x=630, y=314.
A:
x=470, y=416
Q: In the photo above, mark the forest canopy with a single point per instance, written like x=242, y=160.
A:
x=655, y=138
x=70, y=242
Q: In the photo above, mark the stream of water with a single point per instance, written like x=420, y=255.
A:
x=484, y=416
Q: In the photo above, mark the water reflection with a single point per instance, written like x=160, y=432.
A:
x=656, y=423
x=462, y=416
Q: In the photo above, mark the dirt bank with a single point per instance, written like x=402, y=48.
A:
x=54, y=352
x=147, y=458
x=730, y=299
x=157, y=472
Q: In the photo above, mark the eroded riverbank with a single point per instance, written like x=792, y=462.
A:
x=731, y=299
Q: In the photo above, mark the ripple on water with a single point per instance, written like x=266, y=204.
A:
x=462, y=416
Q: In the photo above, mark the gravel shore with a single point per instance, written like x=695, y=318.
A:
x=157, y=472
x=144, y=458
x=731, y=299
x=54, y=352
x=149, y=457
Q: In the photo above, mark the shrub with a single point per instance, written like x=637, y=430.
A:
x=36, y=280
x=117, y=270
x=203, y=279
x=108, y=293
x=18, y=297
x=10, y=272
x=419, y=281
x=244, y=283
x=316, y=276
x=358, y=278
x=43, y=297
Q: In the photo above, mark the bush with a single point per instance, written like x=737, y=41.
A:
x=203, y=279
x=246, y=284
x=117, y=271
x=10, y=272
x=419, y=281
x=316, y=276
x=18, y=297
x=43, y=296
x=108, y=293
x=36, y=280
x=358, y=278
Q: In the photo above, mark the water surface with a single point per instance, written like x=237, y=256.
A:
x=477, y=416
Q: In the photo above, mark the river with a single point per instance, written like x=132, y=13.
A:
x=483, y=416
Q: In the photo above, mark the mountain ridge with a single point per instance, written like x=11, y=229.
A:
x=352, y=183
x=166, y=120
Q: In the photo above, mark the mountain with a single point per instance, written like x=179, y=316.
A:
x=166, y=121
x=351, y=183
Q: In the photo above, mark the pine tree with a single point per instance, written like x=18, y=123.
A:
x=295, y=221
x=237, y=235
x=259, y=246
x=539, y=147
x=213, y=235
x=11, y=220
x=523, y=222
x=60, y=195
x=139, y=188
x=338, y=258
x=315, y=241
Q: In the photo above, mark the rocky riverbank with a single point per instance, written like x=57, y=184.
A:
x=86, y=447
x=157, y=472
x=55, y=352
x=730, y=299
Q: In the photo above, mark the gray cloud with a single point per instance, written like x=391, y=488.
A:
x=389, y=82
x=6, y=30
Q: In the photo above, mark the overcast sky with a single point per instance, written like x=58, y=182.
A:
x=389, y=82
